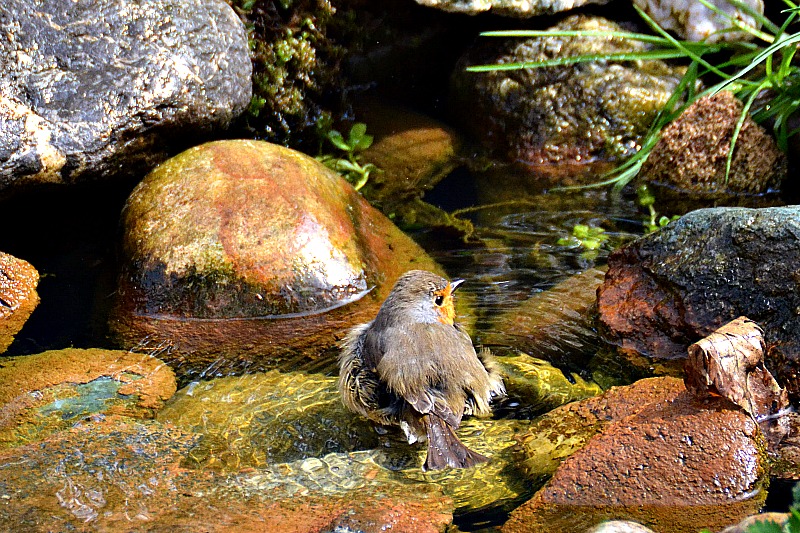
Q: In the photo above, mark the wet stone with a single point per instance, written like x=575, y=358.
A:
x=508, y=8
x=48, y=392
x=671, y=288
x=238, y=255
x=582, y=113
x=18, y=296
x=661, y=457
x=99, y=89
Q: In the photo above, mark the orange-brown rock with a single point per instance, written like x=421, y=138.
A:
x=239, y=254
x=692, y=153
x=18, y=297
x=669, y=461
x=121, y=474
x=44, y=393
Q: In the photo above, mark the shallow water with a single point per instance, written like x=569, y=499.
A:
x=70, y=237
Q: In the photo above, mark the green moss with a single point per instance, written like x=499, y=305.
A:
x=296, y=75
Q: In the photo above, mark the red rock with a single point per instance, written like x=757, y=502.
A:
x=18, y=297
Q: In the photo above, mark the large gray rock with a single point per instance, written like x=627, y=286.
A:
x=110, y=87
x=669, y=289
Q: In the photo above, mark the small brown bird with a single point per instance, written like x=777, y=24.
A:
x=413, y=366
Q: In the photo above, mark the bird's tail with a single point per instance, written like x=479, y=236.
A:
x=444, y=448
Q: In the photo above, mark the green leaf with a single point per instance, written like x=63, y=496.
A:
x=357, y=131
x=338, y=141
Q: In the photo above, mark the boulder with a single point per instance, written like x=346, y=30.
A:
x=18, y=296
x=242, y=254
x=95, y=90
x=661, y=457
x=692, y=152
x=671, y=288
x=574, y=114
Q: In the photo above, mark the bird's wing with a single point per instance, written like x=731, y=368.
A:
x=410, y=367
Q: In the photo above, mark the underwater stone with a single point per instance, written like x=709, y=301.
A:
x=509, y=8
x=693, y=21
x=18, y=296
x=48, y=392
x=238, y=254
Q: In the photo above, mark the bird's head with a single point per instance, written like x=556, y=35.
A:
x=425, y=296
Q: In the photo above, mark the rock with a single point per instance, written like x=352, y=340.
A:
x=111, y=88
x=566, y=429
x=692, y=153
x=413, y=153
x=582, y=113
x=509, y=8
x=620, y=526
x=298, y=420
x=121, y=474
x=241, y=254
x=18, y=296
x=47, y=392
x=535, y=386
x=695, y=22
x=671, y=288
x=671, y=462
x=555, y=324
x=746, y=525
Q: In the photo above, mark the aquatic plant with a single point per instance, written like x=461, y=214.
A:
x=350, y=166
x=762, y=75
x=654, y=222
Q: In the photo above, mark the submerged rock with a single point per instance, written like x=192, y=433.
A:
x=581, y=113
x=240, y=254
x=555, y=324
x=121, y=473
x=18, y=296
x=673, y=287
x=48, y=392
x=101, y=89
x=692, y=152
x=413, y=153
x=299, y=421
x=658, y=456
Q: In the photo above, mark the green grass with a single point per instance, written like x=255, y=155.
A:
x=748, y=69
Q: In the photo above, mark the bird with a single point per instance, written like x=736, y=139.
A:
x=415, y=367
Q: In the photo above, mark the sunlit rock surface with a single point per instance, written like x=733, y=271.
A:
x=510, y=8
x=671, y=288
x=299, y=421
x=122, y=474
x=238, y=254
x=581, y=113
x=660, y=457
x=95, y=90
x=694, y=21
x=692, y=153
x=48, y=392
x=18, y=296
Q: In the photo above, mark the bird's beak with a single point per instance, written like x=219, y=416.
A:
x=455, y=284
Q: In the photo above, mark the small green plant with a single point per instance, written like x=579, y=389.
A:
x=654, y=222
x=587, y=237
x=751, y=71
x=350, y=166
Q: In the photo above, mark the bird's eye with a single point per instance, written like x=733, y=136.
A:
x=439, y=300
